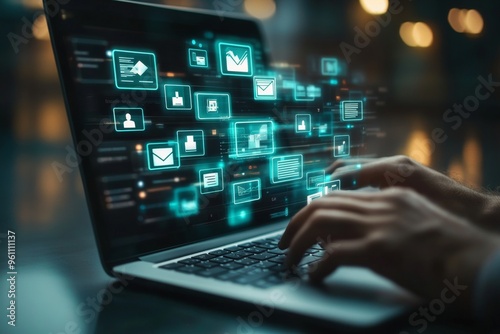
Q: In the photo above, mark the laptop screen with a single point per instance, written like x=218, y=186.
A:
x=183, y=130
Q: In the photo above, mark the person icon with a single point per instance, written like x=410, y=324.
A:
x=128, y=124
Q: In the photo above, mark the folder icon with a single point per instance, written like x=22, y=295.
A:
x=237, y=63
x=163, y=157
x=265, y=87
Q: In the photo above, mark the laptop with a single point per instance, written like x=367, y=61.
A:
x=195, y=153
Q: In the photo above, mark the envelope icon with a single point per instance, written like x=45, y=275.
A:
x=265, y=87
x=163, y=156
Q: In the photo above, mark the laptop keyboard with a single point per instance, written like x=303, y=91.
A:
x=259, y=263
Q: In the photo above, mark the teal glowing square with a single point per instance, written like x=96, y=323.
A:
x=328, y=187
x=352, y=110
x=287, y=168
x=264, y=88
x=162, y=156
x=246, y=191
x=211, y=106
x=211, y=180
x=191, y=143
x=302, y=123
x=253, y=138
x=313, y=179
x=186, y=202
x=129, y=119
x=329, y=66
x=235, y=59
x=177, y=97
x=135, y=70
x=198, y=58
x=341, y=146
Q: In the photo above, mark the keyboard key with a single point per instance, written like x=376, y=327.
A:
x=277, y=251
x=231, y=266
x=233, y=249
x=248, y=244
x=221, y=260
x=211, y=272
x=190, y=261
x=249, y=278
x=262, y=256
x=274, y=279
x=237, y=255
x=189, y=269
x=246, y=261
x=219, y=252
x=229, y=276
x=279, y=259
x=203, y=257
x=207, y=264
x=265, y=264
x=172, y=266
x=255, y=250
x=307, y=260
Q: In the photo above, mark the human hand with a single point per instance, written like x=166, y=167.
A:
x=396, y=233
x=479, y=208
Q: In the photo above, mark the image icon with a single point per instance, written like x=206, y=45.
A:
x=235, y=59
x=246, y=191
x=134, y=70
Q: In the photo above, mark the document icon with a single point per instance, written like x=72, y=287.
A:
x=287, y=168
x=163, y=156
x=352, y=110
x=235, y=59
x=264, y=88
x=211, y=180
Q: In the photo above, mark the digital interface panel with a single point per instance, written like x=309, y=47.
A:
x=201, y=136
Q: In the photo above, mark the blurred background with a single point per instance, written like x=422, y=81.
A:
x=422, y=56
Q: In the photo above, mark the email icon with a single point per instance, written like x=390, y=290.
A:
x=264, y=88
x=163, y=155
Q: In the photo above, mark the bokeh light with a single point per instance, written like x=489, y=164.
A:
x=417, y=34
x=474, y=22
x=375, y=7
x=468, y=21
x=261, y=9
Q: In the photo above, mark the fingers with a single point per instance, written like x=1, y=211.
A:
x=345, y=252
x=343, y=163
x=339, y=200
x=326, y=224
x=381, y=173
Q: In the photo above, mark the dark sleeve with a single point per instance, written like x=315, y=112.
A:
x=486, y=294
